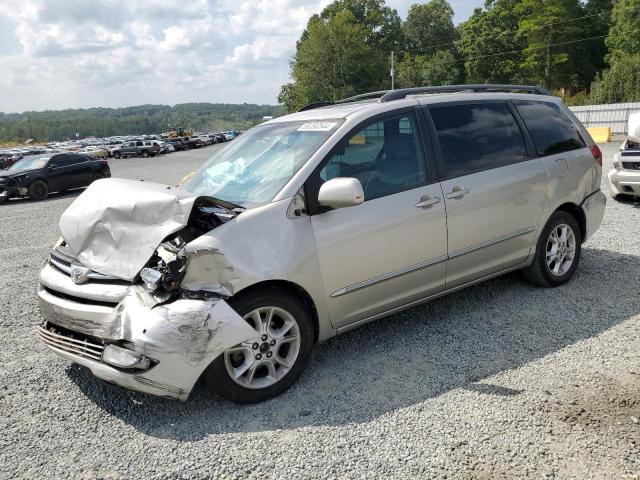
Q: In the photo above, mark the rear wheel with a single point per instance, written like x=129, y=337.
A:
x=117, y=155
x=145, y=154
x=270, y=363
x=557, y=251
x=38, y=190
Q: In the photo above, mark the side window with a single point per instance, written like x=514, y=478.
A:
x=551, y=129
x=61, y=161
x=386, y=156
x=477, y=137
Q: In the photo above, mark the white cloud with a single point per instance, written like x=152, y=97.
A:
x=79, y=53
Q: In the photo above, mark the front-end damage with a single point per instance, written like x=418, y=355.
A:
x=140, y=325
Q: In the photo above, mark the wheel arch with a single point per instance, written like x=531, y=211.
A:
x=292, y=288
x=576, y=212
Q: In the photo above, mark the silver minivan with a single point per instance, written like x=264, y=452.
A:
x=312, y=224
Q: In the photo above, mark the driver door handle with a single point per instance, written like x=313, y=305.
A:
x=457, y=193
x=427, y=201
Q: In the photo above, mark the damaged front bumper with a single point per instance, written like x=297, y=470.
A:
x=174, y=341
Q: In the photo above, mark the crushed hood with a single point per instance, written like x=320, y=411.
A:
x=115, y=225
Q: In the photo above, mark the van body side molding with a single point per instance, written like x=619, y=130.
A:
x=428, y=263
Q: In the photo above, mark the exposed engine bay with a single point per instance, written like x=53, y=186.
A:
x=166, y=269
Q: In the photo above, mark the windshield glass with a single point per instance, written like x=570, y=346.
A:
x=29, y=163
x=253, y=169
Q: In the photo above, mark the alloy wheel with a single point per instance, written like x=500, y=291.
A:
x=561, y=249
x=264, y=360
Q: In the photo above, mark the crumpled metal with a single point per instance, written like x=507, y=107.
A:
x=115, y=225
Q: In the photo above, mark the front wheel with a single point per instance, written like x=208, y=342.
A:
x=38, y=190
x=557, y=252
x=267, y=365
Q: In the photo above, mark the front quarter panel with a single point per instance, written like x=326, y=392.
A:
x=259, y=245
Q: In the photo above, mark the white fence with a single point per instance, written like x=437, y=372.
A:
x=613, y=115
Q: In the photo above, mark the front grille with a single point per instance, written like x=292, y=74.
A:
x=631, y=152
x=71, y=343
x=631, y=165
x=62, y=258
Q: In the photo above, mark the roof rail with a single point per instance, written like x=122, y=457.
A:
x=480, y=87
x=355, y=98
x=390, y=95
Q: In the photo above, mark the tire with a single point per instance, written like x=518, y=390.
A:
x=623, y=197
x=117, y=155
x=145, y=154
x=217, y=377
x=38, y=190
x=558, y=269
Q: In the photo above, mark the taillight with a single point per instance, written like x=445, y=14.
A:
x=597, y=154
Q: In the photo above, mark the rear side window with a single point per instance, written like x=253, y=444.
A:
x=477, y=137
x=551, y=129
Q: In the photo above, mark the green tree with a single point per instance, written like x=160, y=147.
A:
x=429, y=25
x=335, y=58
x=442, y=68
x=540, y=26
x=383, y=24
x=621, y=82
x=485, y=37
x=624, y=35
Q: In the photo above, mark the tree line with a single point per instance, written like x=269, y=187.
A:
x=138, y=120
x=586, y=51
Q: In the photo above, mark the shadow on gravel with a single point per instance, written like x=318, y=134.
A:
x=396, y=362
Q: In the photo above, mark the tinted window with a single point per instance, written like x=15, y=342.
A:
x=477, y=137
x=386, y=156
x=551, y=129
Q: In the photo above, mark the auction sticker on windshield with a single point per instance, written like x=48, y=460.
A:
x=317, y=126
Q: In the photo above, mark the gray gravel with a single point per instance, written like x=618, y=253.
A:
x=502, y=380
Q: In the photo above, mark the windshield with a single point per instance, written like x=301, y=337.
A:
x=29, y=163
x=253, y=169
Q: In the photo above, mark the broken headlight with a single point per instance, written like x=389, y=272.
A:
x=166, y=269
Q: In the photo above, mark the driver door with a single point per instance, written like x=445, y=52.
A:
x=391, y=250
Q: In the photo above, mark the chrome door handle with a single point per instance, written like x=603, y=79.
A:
x=427, y=202
x=457, y=193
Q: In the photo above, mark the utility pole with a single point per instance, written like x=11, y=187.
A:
x=393, y=72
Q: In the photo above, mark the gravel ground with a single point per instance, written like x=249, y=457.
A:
x=502, y=380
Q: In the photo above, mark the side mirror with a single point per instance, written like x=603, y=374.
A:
x=341, y=192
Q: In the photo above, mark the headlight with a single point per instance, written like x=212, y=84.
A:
x=151, y=278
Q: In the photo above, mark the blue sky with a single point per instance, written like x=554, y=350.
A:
x=78, y=53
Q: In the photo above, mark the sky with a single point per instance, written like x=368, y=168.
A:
x=57, y=54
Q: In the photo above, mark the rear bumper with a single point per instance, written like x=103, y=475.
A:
x=593, y=207
x=181, y=338
x=624, y=182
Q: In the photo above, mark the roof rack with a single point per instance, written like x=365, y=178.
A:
x=390, y=95
x=480, y=87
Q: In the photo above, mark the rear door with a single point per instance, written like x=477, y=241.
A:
x=81, y=169
x=494, y=185
x=390, y=250
x=61, y=175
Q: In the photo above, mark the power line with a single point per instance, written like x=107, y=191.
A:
x=539, y=27
x=519, y=50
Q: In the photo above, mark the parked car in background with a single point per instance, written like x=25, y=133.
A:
x=137, y=148
x=36, y=176
x=624, y=177
x=178, y=143
x=195, y=142
x=268, y=248
x=166, y=147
